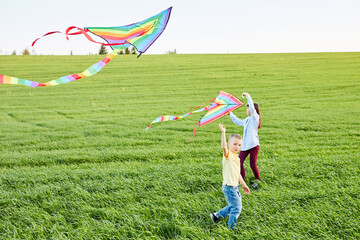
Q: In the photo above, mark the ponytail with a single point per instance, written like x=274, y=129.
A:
x=257, y=108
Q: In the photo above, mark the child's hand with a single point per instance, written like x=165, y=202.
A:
x=246, y=189
x=222, y=127
x=244, y=94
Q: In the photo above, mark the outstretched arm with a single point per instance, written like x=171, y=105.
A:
x=223, y=140
x=236, y=120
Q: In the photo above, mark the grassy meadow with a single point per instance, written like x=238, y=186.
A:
x=77, y=163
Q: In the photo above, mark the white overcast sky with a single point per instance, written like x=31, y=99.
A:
x=196, y=26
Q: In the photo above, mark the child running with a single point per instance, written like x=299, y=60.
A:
x=251, y=143
x=231, y=179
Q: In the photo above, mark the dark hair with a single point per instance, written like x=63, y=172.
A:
x=257, y=108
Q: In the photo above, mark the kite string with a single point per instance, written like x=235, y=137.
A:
x=203, y=104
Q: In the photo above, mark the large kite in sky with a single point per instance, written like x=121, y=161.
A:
x=141, y=35
x=223, y=104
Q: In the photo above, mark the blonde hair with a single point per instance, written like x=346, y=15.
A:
x=235, y=135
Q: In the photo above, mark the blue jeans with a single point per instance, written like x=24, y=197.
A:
x=233, y=198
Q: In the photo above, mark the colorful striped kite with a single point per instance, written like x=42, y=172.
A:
x=221, y=105
x=140, y=35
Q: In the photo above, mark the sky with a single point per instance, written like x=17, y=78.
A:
x=196, y=26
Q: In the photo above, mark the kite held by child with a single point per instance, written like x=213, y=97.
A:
x=231, y=179
x=219, y=107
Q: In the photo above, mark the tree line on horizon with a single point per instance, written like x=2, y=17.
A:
x=102, y=51
x=126, y=51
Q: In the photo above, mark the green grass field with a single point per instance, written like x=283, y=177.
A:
x=77, y=163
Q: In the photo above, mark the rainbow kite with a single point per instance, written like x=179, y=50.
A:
x=221, y=105
x=140, y=35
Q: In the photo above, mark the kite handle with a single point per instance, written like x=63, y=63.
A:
x=203, y=104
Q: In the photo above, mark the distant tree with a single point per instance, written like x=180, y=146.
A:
x=121, y=52
x=171, y=51
x=13, y=53
x=26, y=52
x=71, y=52
x=102, y=50
x=133, y=50
x=127, y=51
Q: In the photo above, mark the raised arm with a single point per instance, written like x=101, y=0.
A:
x=251, y=104
x=223, y=140
x=236, y=120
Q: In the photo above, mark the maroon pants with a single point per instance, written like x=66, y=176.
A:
x=253, y=157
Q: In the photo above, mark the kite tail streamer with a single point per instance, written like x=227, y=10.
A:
x=13, y=80
x=169, y=118
x=92, y=70
x=85, y=33
x=194, y=131
x=66, y=33
x=46, y=34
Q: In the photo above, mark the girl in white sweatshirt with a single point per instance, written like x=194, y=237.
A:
x=250, y=143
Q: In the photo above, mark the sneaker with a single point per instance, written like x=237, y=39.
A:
x=255, y=186
x=214, y=218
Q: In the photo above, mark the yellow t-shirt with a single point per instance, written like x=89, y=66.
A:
x=231, y=169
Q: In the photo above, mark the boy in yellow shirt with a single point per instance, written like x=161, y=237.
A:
x=231, y=179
